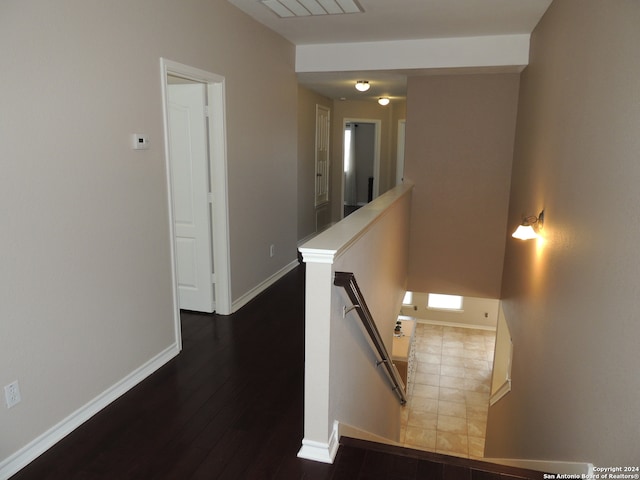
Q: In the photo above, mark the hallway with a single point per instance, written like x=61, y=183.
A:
x=230, y=406
x=449, y=391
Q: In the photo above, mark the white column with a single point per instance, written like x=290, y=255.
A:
x=320, y=441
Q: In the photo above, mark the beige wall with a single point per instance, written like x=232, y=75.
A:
x=476, y=312
x=86, y=293
x=571, y=301
x=307, y=101
x=459, y=147
x=370, y=110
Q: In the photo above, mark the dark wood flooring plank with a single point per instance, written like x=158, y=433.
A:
x=428, y=469
x=455, y=472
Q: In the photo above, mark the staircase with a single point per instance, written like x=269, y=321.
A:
x=361, y=459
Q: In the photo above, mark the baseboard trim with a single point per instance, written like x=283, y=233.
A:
x=257, y=290
x=320, y=451
x=20, y=459
x=501, y=392
x=350, y=431
x=582, y=469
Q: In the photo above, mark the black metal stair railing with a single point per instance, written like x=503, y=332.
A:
x=347, y=280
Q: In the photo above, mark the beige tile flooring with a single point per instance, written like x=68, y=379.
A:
x=449, y=391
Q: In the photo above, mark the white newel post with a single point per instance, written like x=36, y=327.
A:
x=329, y=402
x=320, y=441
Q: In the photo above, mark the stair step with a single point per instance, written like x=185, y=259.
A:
x=365, y=459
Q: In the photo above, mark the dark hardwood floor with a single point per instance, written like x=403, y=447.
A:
x=230, y=406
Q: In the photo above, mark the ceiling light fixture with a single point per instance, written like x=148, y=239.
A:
x=305, y=8
x=525, y=230
x=362, y=85
x=383, y=101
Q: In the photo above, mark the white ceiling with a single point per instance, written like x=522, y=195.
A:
x=393, y=20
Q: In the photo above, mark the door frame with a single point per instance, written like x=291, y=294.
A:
x=218, y=179
x=323, y=138
x=402, y=128
x=376, y=157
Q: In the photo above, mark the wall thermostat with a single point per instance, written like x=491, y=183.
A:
x=139, y=141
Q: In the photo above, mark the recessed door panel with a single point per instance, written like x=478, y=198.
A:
x=188, y=150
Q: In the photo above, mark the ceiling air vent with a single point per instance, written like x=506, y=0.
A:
x=306, y=8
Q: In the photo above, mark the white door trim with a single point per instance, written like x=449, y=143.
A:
x=402, y=125
x=322, y=165
x=376, y=158
x=218, y=168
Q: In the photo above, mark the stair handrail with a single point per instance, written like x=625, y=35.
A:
x=347, y=280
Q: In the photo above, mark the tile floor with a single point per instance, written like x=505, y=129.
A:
x=449, y=392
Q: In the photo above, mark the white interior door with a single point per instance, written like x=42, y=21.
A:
x=189, y=163
x=323, y=124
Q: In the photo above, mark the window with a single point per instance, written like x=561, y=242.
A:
x=347, y=150
x=408, y=298
x=444, y=302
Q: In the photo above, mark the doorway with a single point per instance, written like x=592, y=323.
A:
x=190, y=188
x=195, y=148
x=361, y=163
x=322, y=172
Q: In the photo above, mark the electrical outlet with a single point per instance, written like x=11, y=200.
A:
x=12, y=394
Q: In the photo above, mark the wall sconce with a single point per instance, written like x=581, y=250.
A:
x=526, y=231
x=362, y=85
x=383, y=101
